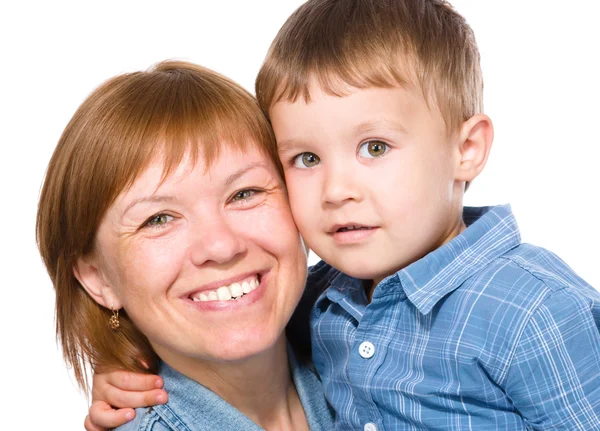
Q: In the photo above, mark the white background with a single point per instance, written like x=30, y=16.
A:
x=540, y=63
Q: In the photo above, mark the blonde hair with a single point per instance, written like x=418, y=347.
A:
x=169, y=111
x=376, y=43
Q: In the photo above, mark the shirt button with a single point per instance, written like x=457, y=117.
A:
x=367, y=350
x=370, y=427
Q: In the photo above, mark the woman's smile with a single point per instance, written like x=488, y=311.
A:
x=230, y=297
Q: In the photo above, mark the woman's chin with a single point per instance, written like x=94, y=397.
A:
x=244, y=349
x=228, y=343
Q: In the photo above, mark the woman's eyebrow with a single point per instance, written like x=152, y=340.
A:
x=148, y=199
x=160, y=198
x=231, y=178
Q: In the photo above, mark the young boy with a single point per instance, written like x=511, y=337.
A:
x=432, y=316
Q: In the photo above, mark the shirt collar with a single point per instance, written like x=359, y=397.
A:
x=200, y=408
x=195, y=407
x=490, y=233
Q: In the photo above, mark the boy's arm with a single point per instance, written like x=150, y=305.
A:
x=298, y=328
x=554, y=377
x=125, y=390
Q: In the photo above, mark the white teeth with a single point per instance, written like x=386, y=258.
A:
x=236, y=290
x=226, y=293
x=246, y=287
x=223, y=293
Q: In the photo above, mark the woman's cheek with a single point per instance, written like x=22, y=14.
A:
x=152, y=264
x=274, y=222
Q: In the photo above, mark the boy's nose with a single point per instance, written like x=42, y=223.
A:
x=340, y=186
x=216, y=242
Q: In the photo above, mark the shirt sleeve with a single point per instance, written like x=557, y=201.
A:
x=554, y=377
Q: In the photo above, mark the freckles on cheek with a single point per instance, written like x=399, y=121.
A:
x=150, y=265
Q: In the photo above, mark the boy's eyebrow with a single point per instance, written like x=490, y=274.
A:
x=378, y=125
x=287, y=145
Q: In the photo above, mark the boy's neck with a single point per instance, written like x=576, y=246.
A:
x=371, y=285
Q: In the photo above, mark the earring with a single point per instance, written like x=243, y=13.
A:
x=113, y=322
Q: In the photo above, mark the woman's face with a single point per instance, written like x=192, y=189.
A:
x=172, y=253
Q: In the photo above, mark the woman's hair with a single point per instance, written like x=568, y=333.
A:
x=170, y=111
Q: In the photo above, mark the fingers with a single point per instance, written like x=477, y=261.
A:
x=134, y=399
x=102, y=416
x=127, y=389
x=129, y=381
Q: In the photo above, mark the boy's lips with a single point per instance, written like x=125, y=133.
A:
x=347, y=227
x=351, y=233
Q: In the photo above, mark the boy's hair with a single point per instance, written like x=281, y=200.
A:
x=173, y=110
x=423, y=44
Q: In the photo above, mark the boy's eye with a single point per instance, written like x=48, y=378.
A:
x=373, y=149
x=158, y=220
x=306, y=160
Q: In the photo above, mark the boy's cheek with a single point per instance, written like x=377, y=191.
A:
x=303, y=210
x=295, y=187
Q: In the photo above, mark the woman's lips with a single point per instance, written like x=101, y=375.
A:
x=255, y=285
x=229, y=292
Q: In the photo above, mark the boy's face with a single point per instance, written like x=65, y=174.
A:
x=371, y=177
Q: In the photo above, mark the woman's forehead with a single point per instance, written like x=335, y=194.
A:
x=229, y=160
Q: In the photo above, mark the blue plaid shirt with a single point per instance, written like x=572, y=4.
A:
x=484, y=333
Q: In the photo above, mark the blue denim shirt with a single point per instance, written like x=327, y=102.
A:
x=192, y=407
x=484, y=333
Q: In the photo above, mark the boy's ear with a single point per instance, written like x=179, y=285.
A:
x=475, y=141
x=88, y=274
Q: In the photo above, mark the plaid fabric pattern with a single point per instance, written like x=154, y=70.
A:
x=484, y=333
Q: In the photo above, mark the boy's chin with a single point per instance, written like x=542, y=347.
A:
x=371, y=274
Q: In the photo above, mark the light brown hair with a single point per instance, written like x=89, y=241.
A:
x=376, y=43
x=169, y=111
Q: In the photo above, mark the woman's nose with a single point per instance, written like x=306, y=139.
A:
x=216, y=242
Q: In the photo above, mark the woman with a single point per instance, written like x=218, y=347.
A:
x=164, y=225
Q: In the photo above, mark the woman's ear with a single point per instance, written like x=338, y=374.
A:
x=475, y=141
x=89, y=275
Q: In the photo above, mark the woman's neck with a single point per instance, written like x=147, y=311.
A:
x=260, y=387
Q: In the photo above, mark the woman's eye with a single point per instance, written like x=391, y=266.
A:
x=373, y=149
x=158, y=220
x=306, y=160
x=243, y=195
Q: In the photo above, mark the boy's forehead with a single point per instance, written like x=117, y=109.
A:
x=368, y=108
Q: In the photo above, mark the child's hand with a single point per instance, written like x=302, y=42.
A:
x=124, y=390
